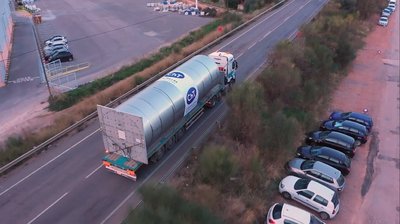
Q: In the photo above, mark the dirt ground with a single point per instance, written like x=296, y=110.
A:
x=372, y=189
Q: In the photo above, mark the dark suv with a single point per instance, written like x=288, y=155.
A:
x=326, y=155
x=333, y=139
x=358, y=131
x=353, y=116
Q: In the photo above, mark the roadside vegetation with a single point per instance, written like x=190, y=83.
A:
x=236, y=172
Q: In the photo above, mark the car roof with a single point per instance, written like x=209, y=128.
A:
x=321, y=190
x=326, y=169
x=331, y=152
x=295, y=213
x=351, y=124
x=340, y=136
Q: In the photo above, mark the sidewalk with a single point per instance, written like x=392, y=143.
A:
x=25, y=96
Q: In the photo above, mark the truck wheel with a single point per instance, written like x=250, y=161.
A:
x=180, y=134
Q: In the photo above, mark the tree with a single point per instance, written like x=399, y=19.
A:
x=247, y=104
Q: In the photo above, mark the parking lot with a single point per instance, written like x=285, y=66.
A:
x=108, y=35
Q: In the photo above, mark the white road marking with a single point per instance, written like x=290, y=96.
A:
x=251, y=45
x=155, y=170
x=24, y=79
x=234, y=39
x=90, y=174
x=269, y=32
x=47, y=208
x=239, y=55
x=5, y=191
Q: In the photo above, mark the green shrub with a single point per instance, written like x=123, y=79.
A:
x=163, y=204
x=217, y=165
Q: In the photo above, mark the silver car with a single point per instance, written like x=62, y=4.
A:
x=317, y=171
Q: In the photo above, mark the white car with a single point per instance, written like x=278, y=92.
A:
x=311, y=194
x=386, y=12
x=52, y=45
x=392, y=6
x=285, y=213
x=383, y=21
x=56, y=38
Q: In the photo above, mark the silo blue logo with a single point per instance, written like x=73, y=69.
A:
x=191, y=95
x=178, y=75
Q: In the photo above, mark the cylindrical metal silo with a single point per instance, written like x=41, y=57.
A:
x=173, y=96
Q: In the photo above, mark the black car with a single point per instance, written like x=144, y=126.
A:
x=333, y=139
x=326, y=155
x=358, y=131
x=62, y=55
x=48, y=53
x=353, y=116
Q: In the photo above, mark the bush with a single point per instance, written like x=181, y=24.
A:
x=280, y=134
x=217, y=165
x=246, y=103
x=162, y=204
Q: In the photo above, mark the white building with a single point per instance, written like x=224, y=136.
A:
x=6, y=30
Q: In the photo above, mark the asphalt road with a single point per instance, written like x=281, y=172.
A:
x=67, y=184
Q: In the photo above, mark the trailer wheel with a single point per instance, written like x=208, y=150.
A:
x=180, y=134
x=170, y=143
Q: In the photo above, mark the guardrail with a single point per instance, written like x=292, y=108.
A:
x=59, y=72
x=117, y=101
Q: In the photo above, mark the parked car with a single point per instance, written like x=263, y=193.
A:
x=360, y=118
x=386, y=12
x=311, y=194
x=353, y=116
x=56, y=38
x=55, y=48
x=317, y=171
x=333, y=139
x=383, y=21
x=326, y=155
x=392, y=5
x=282, y=213
x=50, y=46
x=62, y=55
x=358, y=131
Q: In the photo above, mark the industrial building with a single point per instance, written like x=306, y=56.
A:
x=6, y=30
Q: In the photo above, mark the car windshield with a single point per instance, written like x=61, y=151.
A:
x=314, y=151
x=335, y=199
x=340, y=180
x=323, y=134
x=315, y=220
x=308, y=164
x=345, y=114
x=276, y=213
x=301, y=184
x=337, y=124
